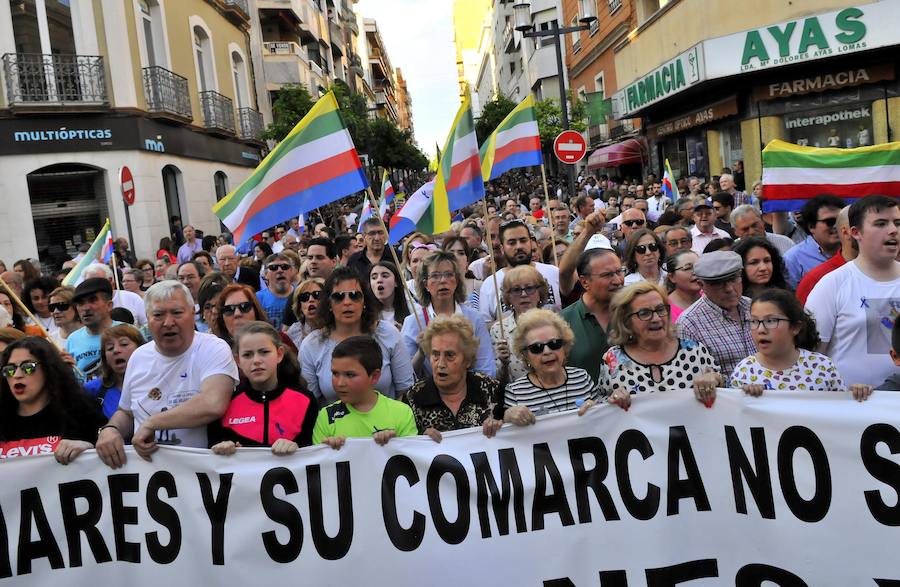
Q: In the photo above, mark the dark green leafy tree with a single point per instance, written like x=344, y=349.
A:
x=549, y=118
x=492, y=115
x=292, y=104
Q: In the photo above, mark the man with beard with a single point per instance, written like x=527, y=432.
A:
x=280, y=272
x=601, y=275
x=93, y=302
x=515, y=240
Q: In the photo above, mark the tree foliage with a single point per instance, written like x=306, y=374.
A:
x=549, y=117
x=385, y=143
x=492, y=115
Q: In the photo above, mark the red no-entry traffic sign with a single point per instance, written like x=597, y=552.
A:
x=126, y=181
x=569, y=146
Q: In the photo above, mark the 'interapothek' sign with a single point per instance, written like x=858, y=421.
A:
x=696, y=118
x=823, y=82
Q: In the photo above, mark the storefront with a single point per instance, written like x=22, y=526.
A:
x=826, y=80
x=64, y=173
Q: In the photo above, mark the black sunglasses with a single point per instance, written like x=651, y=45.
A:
x=59, y=306
x=278, y=267
x=630, y=223
x=829, y=222
x=642, y=249
x=304, y=297
x=538, y=347
x=28, y=368
x=244, y=307
x=340, y=296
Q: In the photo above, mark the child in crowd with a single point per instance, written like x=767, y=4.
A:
x=116, y=347
x=360, y=411
x=785, y=335
x=271, y=406
x=892, y=383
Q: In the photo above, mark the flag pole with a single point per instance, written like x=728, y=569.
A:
x=547, y=203
x=37, y=322
x=487, y=233
x=115, y=269
x=387, y=235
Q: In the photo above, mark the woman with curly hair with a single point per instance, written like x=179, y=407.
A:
x=763, y=265
x=348, y=308
x=41, y=399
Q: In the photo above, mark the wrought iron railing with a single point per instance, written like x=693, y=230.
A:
x=250, y=124
x=34, y=78
x=218, y=112
x=166, y=92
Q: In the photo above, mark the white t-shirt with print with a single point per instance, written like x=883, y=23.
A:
x=487, y=298
x=855, y=315
x=155, y=383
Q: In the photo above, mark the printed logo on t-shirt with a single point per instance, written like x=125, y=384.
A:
x=29, y=447
x=880, y=316
x=244, y=420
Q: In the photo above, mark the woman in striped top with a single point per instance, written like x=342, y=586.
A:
x=543, y=341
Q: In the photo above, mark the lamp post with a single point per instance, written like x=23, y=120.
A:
x=522, y=12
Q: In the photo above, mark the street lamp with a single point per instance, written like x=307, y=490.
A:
x=522, y=13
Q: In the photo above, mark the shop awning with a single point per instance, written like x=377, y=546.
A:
x=630, y=151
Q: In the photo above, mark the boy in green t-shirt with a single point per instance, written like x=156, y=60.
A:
x=361, y=411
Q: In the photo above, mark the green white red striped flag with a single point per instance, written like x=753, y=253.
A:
x=793, y=174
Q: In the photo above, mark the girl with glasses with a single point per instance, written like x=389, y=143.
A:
x=348, y=308
x=647, y=355
x=524, y=289
x=785, y=336
x=384, y=279
x=543, y=341
x=644, y=257
x=305, y=303
x=42, y=405
x=440, y=291
x=64, y=315
x=682, y=285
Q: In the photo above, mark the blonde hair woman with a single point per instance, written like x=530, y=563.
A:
x=647, y=355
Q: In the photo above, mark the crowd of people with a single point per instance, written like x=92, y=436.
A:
x=531, y=304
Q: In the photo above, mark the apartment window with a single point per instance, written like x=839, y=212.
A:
x=614, y=5
x=576, y=37
x=203, y=55
x=647, y=8
x=546, y=26
x=600, y=83
x=512, y=68
x=239, y=75
x=595, y=24
x=152, y=34
x=220, y=181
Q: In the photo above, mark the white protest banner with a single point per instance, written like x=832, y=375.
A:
x=789, y=489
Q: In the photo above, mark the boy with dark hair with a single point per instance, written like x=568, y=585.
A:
x=892, y=383
x=361, y=411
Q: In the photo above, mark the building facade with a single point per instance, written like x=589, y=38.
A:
x=812, y=72
x=162, y=87
x=404, y=103
x=380, y=73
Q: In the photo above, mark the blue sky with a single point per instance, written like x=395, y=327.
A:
x=419, y=39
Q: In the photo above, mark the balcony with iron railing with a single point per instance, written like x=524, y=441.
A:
x=218, y=112
x=166, y=93
x=240, y=5
x=250, y=124
x=34, y=79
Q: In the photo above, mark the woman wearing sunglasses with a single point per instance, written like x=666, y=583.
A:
x=543, y=341
x=348, y=308
x=644, y=257
x=238, y=305
x=524, y=288
x=440, y=289
x=681, y=283
x=305, y=303
x=42, y=402
x=64, y=315
x=647, y=355
x=785, y=336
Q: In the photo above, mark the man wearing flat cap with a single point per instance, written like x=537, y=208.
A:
x=93, y=302
x=720, y=319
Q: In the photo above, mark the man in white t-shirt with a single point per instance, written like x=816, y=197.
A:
x=856, y=305
x=515, y=239
x=121, y=298
x=174, y=386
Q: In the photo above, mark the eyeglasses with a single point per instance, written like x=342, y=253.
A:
x=609, y=274
x=537, y=348
x=375, y=233
x=829, y=222
x=340, y=296
x=633, y=223
x=645, y=314
x=526, y=290
x=770, y=323
x=244, y=307
x=642, y=249
x=279, y=267
x=441, y=276
x=305, y=296
x=59, y=306
x=28, y=368
x=679, y=241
